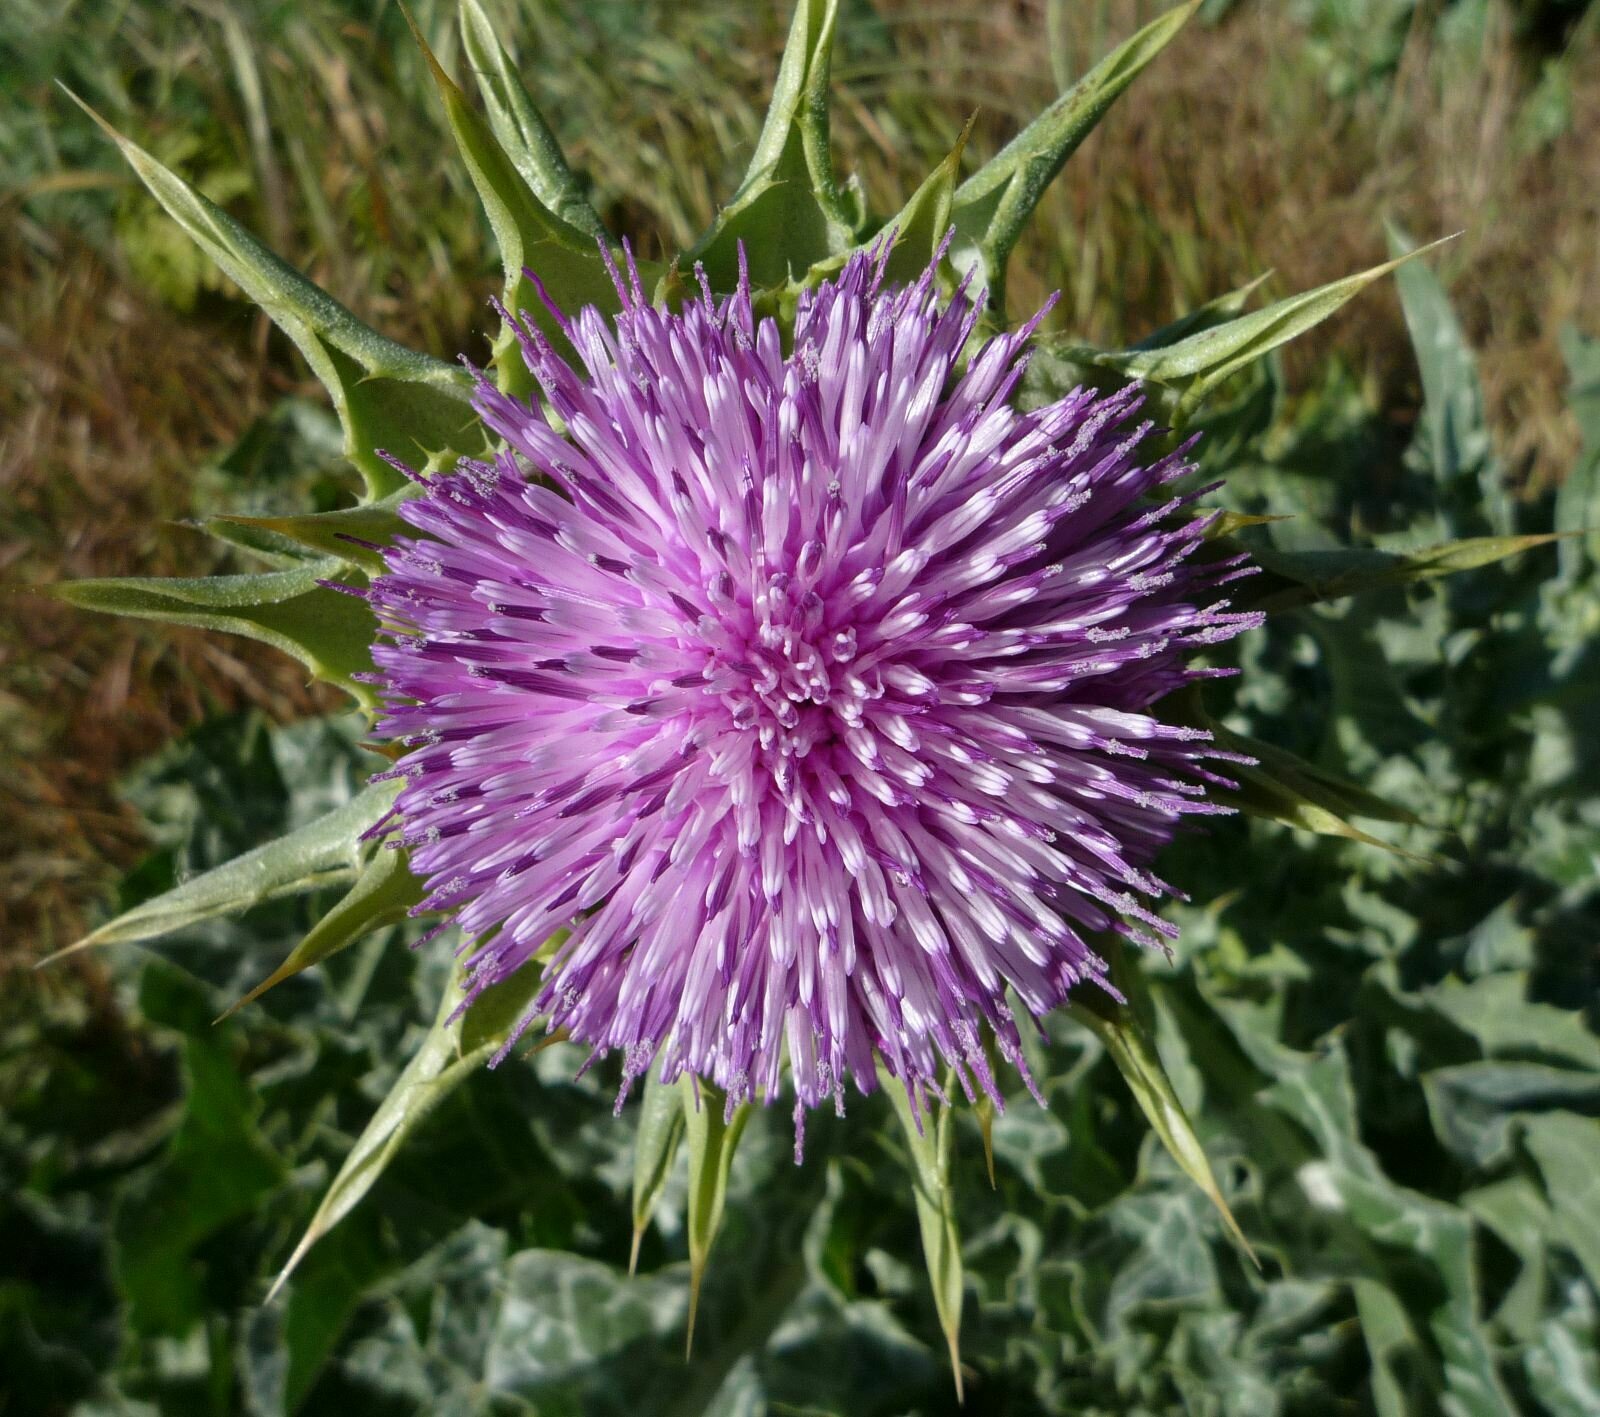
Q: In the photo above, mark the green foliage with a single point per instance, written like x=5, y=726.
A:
x=1184, y=372
x=328, y=631
x=324, y=852
x=927, y=1129
x=661, y=1122
x=1126, y=1039
x=382, y=894
x=460, y=1040
x=789, y=211
x=712, y=1130
x=1385, y=1064
x=529, y=235
x=520, y=128
x=387, y=396
x=293, y=537
x=996, y=202
x=1296, y=578
x=1578, y=499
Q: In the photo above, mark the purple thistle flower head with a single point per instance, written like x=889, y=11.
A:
x=810, y=693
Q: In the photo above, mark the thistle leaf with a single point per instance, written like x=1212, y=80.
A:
x=434, y=1071
x=382, y=894
x=1564, y=1147
x=520, y=128
x=503, y=1008
x=1578, y=498
x=1228, y=522
x=1131, y=1049
x=1283, y=787
x=386, y=396
x=985, y=1111
x=917, y=229
x=1453, y=432
x=326, y=533
x=1299, y=578
x=1191, y=368
x=927, y=1133
x=921, y=224
x=260, y=542
x=530, y=236
x=994, y=204
x=458, y=1042
x=789, y=210
x=1214, y=312
x=660, y=1131
x=713, y=1136
x=985, y=1106
x=329, y=632
x=322, y=853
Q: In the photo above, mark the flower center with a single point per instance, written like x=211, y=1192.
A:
x=783, y=673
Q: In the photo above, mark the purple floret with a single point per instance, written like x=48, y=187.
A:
x=809, y=693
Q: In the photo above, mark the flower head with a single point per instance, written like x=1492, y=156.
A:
x=809, y=692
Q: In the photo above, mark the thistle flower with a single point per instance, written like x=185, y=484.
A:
x=812, y=694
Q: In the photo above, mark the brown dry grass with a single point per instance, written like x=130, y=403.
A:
x=1229, y=157
x=108, y=403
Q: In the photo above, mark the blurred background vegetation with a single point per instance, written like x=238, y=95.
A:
x=139, y=391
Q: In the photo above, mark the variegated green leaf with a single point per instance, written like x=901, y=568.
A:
x=1565, y=1146
x=994, y=204
x=382, y=894
x=329, y=632
x=454, y=1046
x=1299, y=578
x=927, y=1134
x=322, y=853
x=387, y=396
x=660, y=1131
x=789, y=210
x=712, y=1136
x=520, y=128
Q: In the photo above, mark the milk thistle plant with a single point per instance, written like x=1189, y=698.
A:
x=790, y=668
